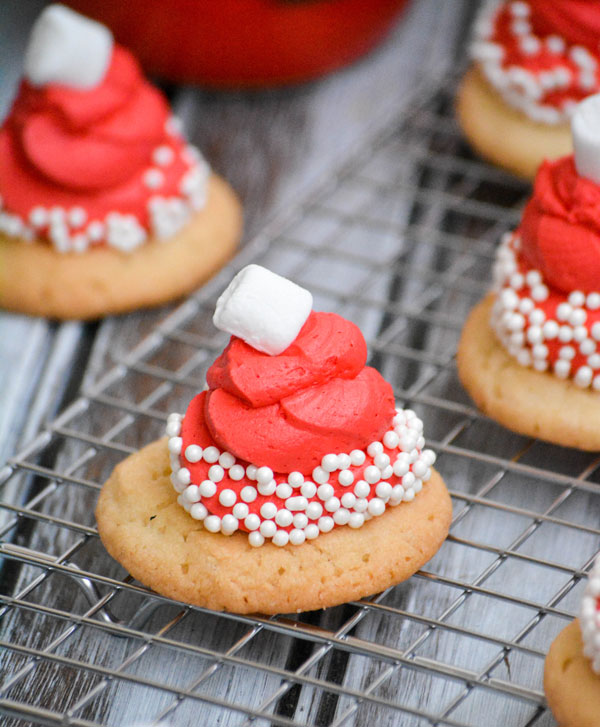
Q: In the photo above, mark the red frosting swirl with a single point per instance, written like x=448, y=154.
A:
x=577, y=21
x=560, y=229
x=63, y=147
x=287, y=411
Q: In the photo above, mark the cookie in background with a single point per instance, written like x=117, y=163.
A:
x=529, y=354
x=572, y=667
x=104, y=206
x=532, y=62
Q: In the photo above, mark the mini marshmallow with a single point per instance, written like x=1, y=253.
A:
x=585, y=127
x=264, y=309
x=67, y=48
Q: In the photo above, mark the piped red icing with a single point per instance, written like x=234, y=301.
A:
x=83, y=167
x=541, y=55
x=317, y=396
x=290, y=446
x=560, y=229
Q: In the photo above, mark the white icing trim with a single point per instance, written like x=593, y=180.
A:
x=522, y=327
x=589, y=618
x=519, y=87
x=412, y=468
x=69, y=231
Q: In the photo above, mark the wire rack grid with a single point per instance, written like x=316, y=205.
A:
x=401, y=241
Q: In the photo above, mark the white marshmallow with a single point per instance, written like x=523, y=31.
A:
x=264, y=309
x=67, y=48
x=585, y=127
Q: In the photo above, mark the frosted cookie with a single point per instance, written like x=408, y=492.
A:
x=572, y=668
x=104, y=207
x=533, y=61
x=292, y=483
x=529, y=355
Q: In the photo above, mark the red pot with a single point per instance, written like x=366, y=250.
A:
x=244, y=42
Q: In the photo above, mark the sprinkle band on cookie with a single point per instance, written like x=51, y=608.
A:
x=540, y=326
x=589, y=618
x=345, y=489
x=530, y=63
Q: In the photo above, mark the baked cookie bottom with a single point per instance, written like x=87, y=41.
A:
x=157, y=541
x=572, y=688
x=36, y=279
x=529, y=402
x=504, y=135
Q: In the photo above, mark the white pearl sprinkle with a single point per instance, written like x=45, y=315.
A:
x=320, y=475
x=256, y=539
x=193, y=453
x=283, y=490
x=268, y=488
x=268, y=510
x=346, y=478
x=372, y=474
x=300, y=520
x=324, y=492
x=362, y=489
x=212, y=523
x=252, y=521
x=308, y=489
x=264, y=475
x=207, y=488
x=296, y=479
x=236, y=472
x=314, y=510
x=198, y=511
x=240, y=511
x=216, y=473
x=227, y=498
x=248, y=493
x=329, y=463
x=210, y=454
x=281, y=538
x=283, y=518
x=326, y=524
x=268, y=528
x=229, y=524
x=357, y=457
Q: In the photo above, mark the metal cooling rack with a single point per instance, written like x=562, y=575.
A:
x=401, y=241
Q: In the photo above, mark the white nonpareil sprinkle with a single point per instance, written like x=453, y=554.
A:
x=293, y=506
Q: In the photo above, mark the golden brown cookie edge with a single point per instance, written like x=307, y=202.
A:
x=226, y=573
x=529, y=402
x=504, y=135
x=572, y=688
x=37, y=280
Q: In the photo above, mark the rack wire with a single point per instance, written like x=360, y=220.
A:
x=401, y=241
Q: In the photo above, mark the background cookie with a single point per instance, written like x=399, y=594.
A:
x=164, y=548
x=522, y=399
x=504, y=135
x=36, y=279
x=572, y=689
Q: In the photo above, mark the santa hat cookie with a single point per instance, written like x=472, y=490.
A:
x=530, y=354
x=302, y=483
x=572, y=668
x=104, y=207
x=533, y=61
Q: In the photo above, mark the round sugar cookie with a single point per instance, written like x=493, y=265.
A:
x=38, y=280
x=504, y=135
x=529, y=402
x=159, y=543
x=572, y=688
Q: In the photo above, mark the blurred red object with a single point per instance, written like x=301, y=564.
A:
x=241, y=43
